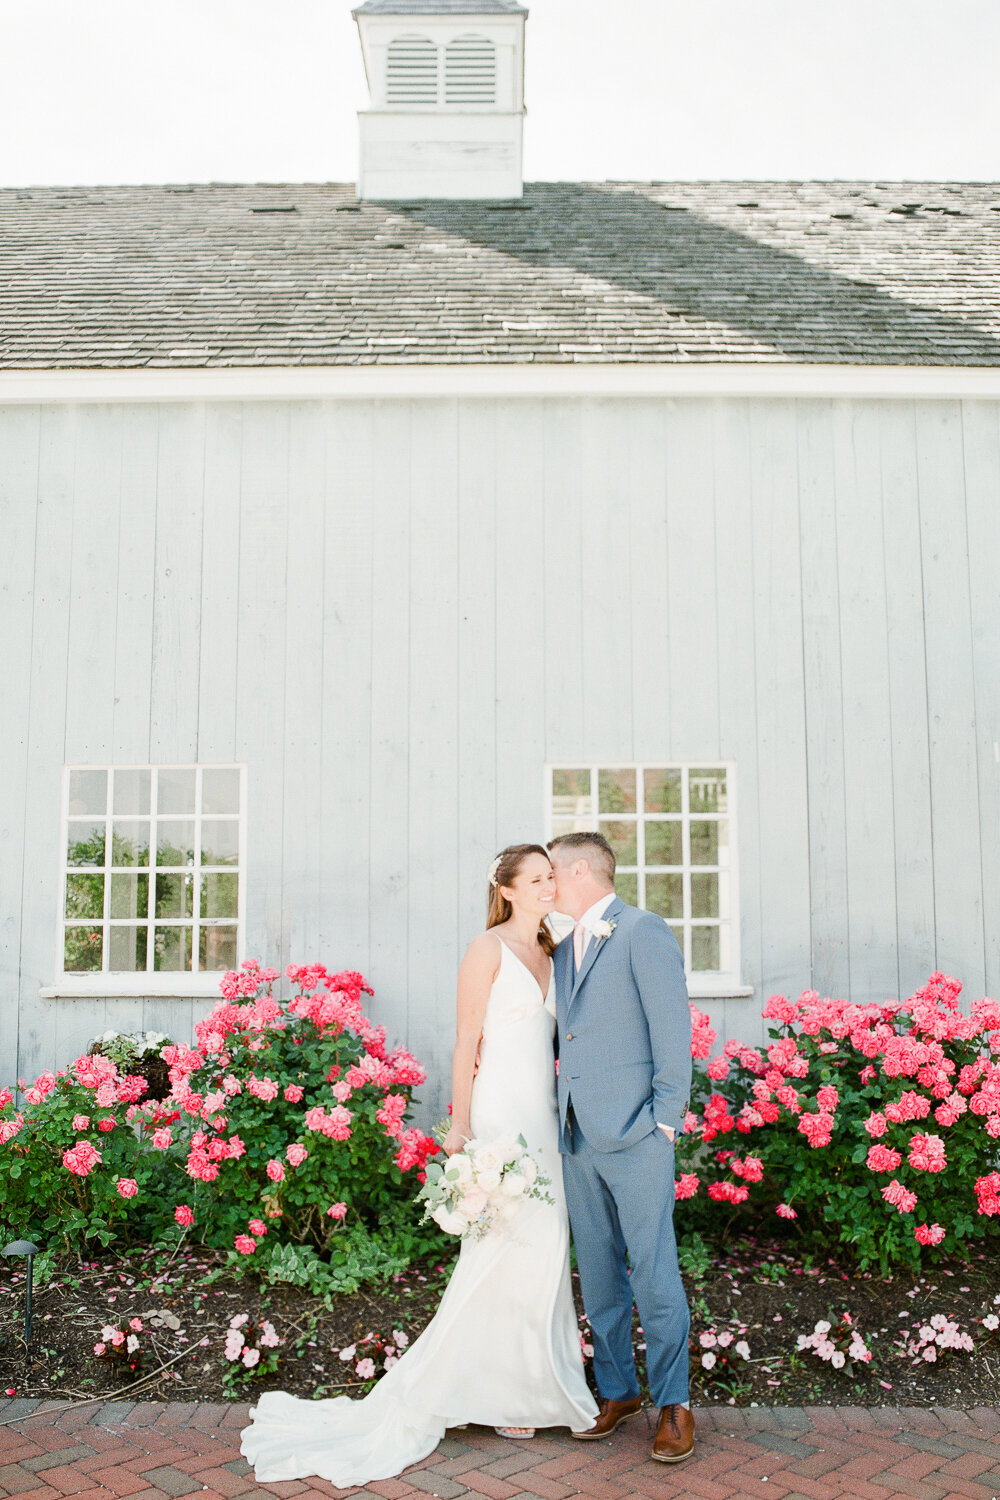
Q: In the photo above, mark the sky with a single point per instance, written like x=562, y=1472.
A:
x=107, y=91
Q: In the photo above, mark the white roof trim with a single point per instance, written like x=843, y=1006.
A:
x=370, y=382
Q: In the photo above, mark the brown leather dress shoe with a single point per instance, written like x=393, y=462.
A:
x=674, y=1435
x=611, y=1415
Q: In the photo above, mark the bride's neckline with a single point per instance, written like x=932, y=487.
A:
x=544, y=993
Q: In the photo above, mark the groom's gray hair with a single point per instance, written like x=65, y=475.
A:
x=593, y=847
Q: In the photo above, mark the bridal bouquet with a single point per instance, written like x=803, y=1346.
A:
x=480, y=1187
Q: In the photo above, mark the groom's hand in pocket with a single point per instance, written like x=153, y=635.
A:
x=668, y=1131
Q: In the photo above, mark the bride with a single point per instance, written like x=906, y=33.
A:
x=503, y=1348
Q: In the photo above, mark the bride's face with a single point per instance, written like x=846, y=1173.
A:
x=533, y=889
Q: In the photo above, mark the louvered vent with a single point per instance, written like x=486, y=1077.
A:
x=412, y=71
x=470, y=71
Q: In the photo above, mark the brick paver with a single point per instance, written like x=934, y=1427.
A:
x=115, y=1450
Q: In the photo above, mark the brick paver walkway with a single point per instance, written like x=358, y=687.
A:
x=93, y=1451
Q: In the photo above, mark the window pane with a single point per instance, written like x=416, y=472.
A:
x=704, y=895
x=175, y=842
x=127, y=949
x=130, y=842
x=627, y=887
x=82, y=950
x=220, y=842
x=219, y=895
x=704, y=949
x=664, y=843
x=175, y=791
x=616, y=791
x=622, y=838
x=85, y=896
x=174, y=896
x=172, y=949
x=662, y=791
x=705, y=842
x=665, y=896
x=571, y=793
x=88, y=793
x=220, y=791
x=217, y=948
x=707, y=789
x=85, y=844
x=569, y=825
x=131, y=792
x=129, y=898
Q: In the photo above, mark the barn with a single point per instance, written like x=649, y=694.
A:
x=351, y=533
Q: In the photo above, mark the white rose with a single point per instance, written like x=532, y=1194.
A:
x=460, y=1168
x=603, y=928
x=508, y=1150
x=472, y=1203
x=450, y=1222
x=529, y=1170
x=488, y=1180
x=486, y=1159
x=513, y=1184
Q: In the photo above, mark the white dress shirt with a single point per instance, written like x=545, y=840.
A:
x=593, y=915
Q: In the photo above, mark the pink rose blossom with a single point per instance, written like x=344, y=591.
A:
x=184, y=1215
x=127, y=1187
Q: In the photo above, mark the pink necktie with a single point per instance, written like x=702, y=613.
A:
x=580, y=935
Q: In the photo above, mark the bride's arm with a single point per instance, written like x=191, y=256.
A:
x=478, y=970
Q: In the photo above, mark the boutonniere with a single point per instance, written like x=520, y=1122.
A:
x=604, y=929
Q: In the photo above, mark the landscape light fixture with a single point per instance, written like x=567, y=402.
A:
x=24, y=1247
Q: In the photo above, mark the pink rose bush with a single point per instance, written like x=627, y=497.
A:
x=877, y=1124
x=283, y=1115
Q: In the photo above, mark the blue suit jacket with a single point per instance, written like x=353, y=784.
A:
x=624, y=1032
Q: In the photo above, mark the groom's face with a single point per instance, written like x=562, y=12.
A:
x=567, y=873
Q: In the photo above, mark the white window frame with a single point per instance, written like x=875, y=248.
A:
x=702, y=983
x=143, y=983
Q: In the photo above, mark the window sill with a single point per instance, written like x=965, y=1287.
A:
x=716, y=987
x=129, y=987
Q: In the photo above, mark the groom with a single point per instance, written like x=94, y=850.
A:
x=624, y=1081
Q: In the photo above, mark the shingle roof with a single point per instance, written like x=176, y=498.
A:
x=439, y=8
x=222, y=275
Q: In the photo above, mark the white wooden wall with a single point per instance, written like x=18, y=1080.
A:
x=396, y=612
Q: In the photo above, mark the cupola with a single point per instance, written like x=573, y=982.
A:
x=446, y=80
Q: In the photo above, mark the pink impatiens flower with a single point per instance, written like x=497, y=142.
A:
x=365, y=1368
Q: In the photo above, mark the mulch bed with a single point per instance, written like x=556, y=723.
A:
x=765, y=1292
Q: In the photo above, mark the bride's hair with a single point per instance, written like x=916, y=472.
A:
x=506, y=868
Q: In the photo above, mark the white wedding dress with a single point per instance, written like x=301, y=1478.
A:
x=503, y=1348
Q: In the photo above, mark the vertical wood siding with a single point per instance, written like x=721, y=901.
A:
x=396, y=612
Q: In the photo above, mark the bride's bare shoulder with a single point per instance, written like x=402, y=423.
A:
x=484, y=952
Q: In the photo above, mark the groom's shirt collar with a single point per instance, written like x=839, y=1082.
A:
x=594, y=913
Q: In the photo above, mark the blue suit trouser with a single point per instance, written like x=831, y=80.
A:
x=621, y=1207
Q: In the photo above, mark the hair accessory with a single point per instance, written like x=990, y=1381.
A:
x=494, y=867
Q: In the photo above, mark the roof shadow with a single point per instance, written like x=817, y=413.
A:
x=695, y=288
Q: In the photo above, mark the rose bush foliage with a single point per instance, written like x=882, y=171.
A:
x=285, y=1119
x=876, y=1125
x=285, y=1129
